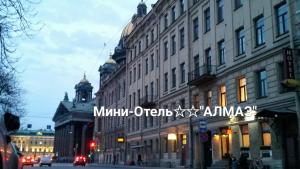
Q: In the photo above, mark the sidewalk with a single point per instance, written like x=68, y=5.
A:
x=128, y=166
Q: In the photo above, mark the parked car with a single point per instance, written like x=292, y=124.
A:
x=28, y=161
x=10, y=157
x=46, y=160
x=79, y=160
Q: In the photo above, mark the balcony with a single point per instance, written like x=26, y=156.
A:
x=148, y=101
x=202, y=75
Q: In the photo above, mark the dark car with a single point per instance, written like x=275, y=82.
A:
x=79, y=160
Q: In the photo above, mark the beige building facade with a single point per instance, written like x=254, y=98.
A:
x=211, y=53
x=34, y=143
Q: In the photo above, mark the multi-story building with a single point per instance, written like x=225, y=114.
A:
x=34, y=143
x=212, y=53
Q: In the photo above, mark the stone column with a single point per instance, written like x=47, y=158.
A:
x=83, y=139
x=71, y=138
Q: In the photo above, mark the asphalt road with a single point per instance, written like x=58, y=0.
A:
x=63, y=166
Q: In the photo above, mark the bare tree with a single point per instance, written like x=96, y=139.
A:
x=15, y=16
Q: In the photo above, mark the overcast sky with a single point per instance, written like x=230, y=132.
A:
x=70, y=43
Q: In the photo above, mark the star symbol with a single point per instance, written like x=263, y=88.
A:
x=193, y=112
x=179, y=111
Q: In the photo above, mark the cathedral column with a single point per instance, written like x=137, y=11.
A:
x=83, y=139
x=71, y=133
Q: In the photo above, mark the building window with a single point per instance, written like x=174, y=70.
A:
x=182, y=103
x=222, y=96
x=130, y=77
x=238, y=4
x=173, y=11
x=166, y=21
x=137, y=123
x=152, y=90
x=207, y=19
x=152, y=62
x=124, y=88
x=140, y=46
x=196, y=101
x=166, y=49
x=282, y=18
x=139, y=71
x=242, y=89
x=173, y=77
x=129, y=101
x=196, y=65
x=209, y=98
x=152, y=35
x=221, y=52
x=134, y=99
x=259, y=31
x=240, y=34
x=220, y=10
x=196, y=28
x=146, y=66
x=166, y=82
x=147, y=41
x=181, y=6
x=181, y=34
x=266, y=134
x=146, y=91
x=208, y=60
x=245, y=136
x=173, y=41
x=182, y=74
x=134, y=74
x=139, y=96
x=262, y=83
x=173, y=107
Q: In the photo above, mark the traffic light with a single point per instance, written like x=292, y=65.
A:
x=93, y=145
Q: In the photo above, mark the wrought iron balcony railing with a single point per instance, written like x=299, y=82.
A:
x=202, y=74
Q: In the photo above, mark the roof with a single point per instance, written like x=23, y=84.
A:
x=33, y=133
x=73, y=107
x=79, y=107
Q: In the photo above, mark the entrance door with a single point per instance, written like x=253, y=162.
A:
x=208, y=151
x=291, y=152
x=225, y=145
x=290, y=143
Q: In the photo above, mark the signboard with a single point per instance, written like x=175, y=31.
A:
x=288, y=62
x=203, y=126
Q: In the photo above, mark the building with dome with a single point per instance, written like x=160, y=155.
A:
x=204, y=53
x=74, y=122
x=112, y=94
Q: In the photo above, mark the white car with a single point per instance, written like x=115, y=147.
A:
x=9, y=154
x=46, y=160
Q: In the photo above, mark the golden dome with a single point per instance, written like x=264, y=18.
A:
x=110, y=61
x=127, y=30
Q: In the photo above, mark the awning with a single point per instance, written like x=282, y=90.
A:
x=274, y=113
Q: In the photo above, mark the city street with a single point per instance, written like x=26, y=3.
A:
x=88, y=166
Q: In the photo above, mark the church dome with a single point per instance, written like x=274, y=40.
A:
x=110, y=61
x=84, y=80
x=127, y=30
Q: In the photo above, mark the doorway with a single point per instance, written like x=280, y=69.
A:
x=208, y=151
x=290, y=143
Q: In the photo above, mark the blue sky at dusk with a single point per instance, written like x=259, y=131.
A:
x=70, y=43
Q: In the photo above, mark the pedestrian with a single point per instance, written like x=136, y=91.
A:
x=234, y=164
